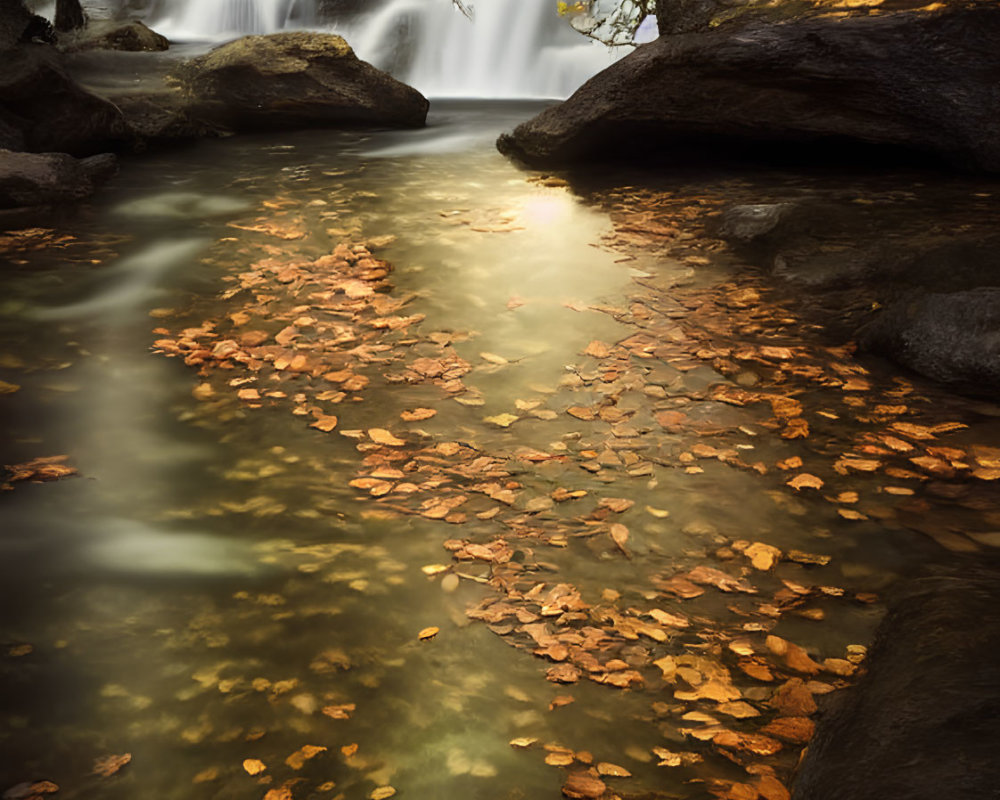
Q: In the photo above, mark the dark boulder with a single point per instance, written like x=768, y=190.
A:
x=295, y=79
x=953, y=338
x=923, y=82
x=924, y=722
x=50, y=112
x=132, y=36
x=46, y=179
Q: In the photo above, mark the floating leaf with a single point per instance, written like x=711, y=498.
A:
x=428, y=633
x=298, y=759
x=382, y=436
x=503, y=420
x=325, y=423
x=339, y=712
x=253, y=766
x=382, y=793
x=805, y=481
x=417, y=414
x=109, y=765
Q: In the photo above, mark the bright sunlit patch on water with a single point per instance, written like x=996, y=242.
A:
x=547, y=209
x=182, y=205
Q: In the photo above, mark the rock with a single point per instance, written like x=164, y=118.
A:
x=162, y=117
x=45, y=179
x=920, y=81
x=131, y=36
x=295, y=79
x=746, y=224
x=953, y=338
x=50, y=112
x=14, y=19
x=924, y=722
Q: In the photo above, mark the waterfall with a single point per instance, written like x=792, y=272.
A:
x=511, y=49
x=201, y=20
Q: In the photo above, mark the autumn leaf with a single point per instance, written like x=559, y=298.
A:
x=253, y=766
x=805, y=481
x=762, y=556
x=583, y=786
x=382, y=436
x=298, y=759
x=339, y=712
x=503, y=420
x=109, y=765
x=428, y=633
x=325, y=423
x=619, y=534
x=493, y=358
x=417, y=414
x=597, y=349
x=382, y=793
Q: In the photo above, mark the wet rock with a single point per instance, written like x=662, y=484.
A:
x=14, y=19
x=50, y=112
x=924, y=721
x=42, y=179
x=295, y=79
x=132, y=36
x=953, y=338
x=919, y=81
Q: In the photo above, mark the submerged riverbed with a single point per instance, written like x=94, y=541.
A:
x=400, y=468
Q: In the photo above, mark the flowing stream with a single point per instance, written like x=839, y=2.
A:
x=210, y=589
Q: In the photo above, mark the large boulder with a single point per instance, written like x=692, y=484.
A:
x=295, y=79
x=32, y=184
x=924, y=722
x=921, y=81
x=42, y=109
x=951, y=337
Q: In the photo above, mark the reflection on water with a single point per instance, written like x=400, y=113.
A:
x=212, y=590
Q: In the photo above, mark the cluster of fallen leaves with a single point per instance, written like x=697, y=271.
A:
x=312, y=333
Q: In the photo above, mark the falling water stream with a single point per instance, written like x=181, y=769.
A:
x=210, y=591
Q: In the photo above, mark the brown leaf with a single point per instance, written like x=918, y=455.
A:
x=754, y=743
x=794, y=656
x=619, y=534
x=563, y=673
x=762, y=556
x=720, y=580
x=616, y=504
x=582, y=412
x=671, y=759
x=340, y=712
x=428, y=633
x=612, y=770
x=597, y=349
x=324, y=422
x=254, y=766
x=797, y=730
x=382, y=793
x=417, y=414
x=583, y=786
x=382, y=436
x=805, y=481
x=109, y=765
x=561, y=700
x=793, y=699
x=298, y=759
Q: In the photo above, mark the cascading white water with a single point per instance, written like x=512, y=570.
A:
x=198, y=20
x=512, y=48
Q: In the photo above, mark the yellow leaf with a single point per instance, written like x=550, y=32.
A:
x=254, y=766
x=428, y=633
x=382, y=793
x=298, y=759
x=503, y=420
x=805, y=481
x=382, y=436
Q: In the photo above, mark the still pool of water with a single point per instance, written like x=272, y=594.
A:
x=210, y=589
